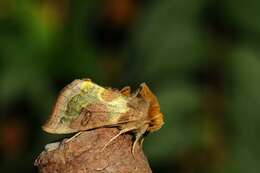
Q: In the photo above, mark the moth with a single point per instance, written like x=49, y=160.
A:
x=83, y=105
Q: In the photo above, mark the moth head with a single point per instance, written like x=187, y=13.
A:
x=67, y=107
x=154, y=112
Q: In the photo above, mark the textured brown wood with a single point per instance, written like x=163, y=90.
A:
x=83, y=155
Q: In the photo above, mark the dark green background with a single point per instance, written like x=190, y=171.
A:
x=201, y=58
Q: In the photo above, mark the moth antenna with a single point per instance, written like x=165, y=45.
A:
x=116, y=136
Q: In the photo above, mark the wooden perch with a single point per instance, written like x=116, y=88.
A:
x=84, y=154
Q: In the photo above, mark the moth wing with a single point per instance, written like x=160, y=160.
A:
x=94, y=119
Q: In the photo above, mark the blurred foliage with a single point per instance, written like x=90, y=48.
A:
x=200, y=57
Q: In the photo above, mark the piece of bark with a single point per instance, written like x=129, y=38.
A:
x=84, y=154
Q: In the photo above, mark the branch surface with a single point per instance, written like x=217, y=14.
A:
x=84, y=154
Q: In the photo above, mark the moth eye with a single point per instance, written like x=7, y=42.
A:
x=86, y=117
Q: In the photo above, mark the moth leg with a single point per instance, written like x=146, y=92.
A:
x=138, y=136
x=120, y=133
x=74, y=136
x=141, y=142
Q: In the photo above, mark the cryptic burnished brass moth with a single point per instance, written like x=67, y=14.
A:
x=83, y=105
